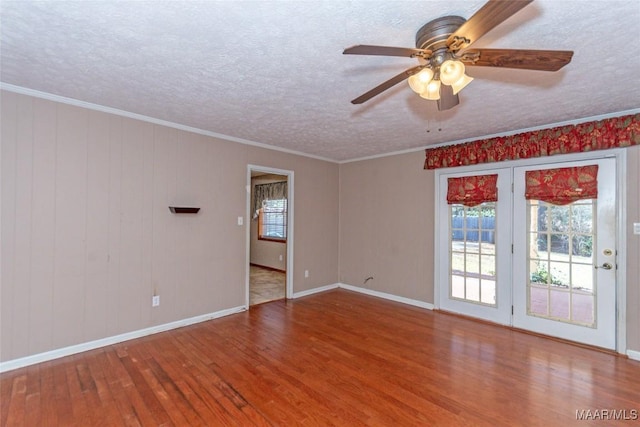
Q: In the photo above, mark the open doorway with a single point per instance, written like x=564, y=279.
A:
x=269, y=234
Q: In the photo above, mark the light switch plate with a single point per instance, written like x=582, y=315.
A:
x=240, y=220
x=636, y=228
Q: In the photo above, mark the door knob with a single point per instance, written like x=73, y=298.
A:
x=606, y=266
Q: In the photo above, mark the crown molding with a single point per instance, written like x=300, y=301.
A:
x=96, y=107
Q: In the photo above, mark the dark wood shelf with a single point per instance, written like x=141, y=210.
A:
x=183, y=210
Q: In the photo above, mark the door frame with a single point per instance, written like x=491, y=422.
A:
x=248, y=214
x=620, y=155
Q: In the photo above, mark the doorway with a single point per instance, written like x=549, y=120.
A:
x=547, y=267
x=269, y=234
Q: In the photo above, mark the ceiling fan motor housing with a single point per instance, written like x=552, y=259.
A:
x=434, y=34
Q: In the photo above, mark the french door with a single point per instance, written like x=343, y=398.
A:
x=475, y=253
x=535, y=265
x=565, y=262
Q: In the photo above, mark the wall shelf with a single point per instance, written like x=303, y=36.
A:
x=183, y=210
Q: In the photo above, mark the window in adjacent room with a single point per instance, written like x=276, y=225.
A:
x=272, y=220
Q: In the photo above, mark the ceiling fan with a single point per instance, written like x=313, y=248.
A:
x=442, y=51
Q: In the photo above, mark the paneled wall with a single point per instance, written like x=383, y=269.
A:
x=387, y=230
x=87, y=235
x=387, y=226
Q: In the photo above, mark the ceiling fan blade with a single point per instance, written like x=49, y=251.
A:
x=526, y=59
x=488, y=17
x=447, y=99
x=386, y=85
x=407, y=52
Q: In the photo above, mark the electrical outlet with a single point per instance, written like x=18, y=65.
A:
x=306, y=273
x=636, y=228
x=155, y=301
x=280, y=257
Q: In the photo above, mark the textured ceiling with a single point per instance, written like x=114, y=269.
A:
x=273, y=72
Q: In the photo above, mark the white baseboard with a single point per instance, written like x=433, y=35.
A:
x=366, y=291
x=385, y=295
x=79, y=348
x=635, y=355
x=315, y=290
x=91, y=345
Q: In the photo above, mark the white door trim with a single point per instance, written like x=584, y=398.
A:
x=290, y=228
x=621, y=156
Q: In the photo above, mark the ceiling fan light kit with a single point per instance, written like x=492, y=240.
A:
x=442, y=51
x=451, y=72
x=431, y=91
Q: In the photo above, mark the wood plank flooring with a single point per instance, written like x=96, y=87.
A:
x=336, y=358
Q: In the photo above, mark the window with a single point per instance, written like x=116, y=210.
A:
x=272, y=220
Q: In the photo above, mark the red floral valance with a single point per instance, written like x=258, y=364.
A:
x=472, y=190
x=610, y=133
x=562, y=186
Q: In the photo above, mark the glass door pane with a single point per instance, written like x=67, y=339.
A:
x=560, y=261
x=472, y=253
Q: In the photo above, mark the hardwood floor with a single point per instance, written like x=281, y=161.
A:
x=336, y=358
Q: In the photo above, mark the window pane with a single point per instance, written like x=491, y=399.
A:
x=472, y=247
x=583, y=247
x=582, y=277
x=559, y=273
x=472, y=253
x=473, y=289
x=538, y=245
x=539, y=272
x=582, y=218
x=472, y=264
x=488, y=265
x=457, y=262
x=488, y=248
x=538, y=301
x=582, y=309
x=559, y=218
x=487, y=291
x=541, y=218
x=559, y=304
x=457, y=286
x=274, y=219
x=562, y=278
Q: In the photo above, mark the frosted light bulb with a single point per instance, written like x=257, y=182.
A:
x=451, y=71
x=461, y=83
x=433, y=91
x=418, y=82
